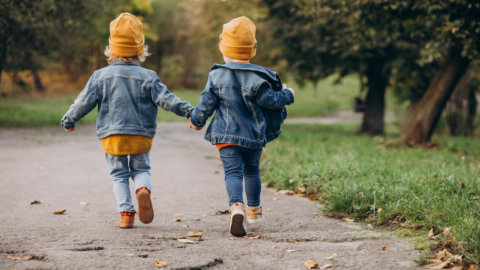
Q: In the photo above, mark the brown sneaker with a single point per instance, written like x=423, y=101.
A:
x=145, y=209
x=254, y=214
x=126, y=220
x=238, y=224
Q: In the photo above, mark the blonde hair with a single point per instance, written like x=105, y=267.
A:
x=111, y=58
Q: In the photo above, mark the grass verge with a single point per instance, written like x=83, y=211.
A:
x=371, y=179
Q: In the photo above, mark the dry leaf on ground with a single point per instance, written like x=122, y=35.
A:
x=160, y=263
x=326, y=266
x=232, y=238
x=216, y=172
x=311, y=264
x=36, y=202
x=197, y=235
x=252, y=237
x=220, y=212
x=187, y=241
x=177, y=220
x=59, y=212
x=444, y=259
x=68, y=223
x=348, y=220
x=275, y=247
x=178, y=214
x=268, y=210
x=331, y=257
x=384, y=248
x=431, y=233
x=24, y=258
x=291, y=250
x=285, y=192
x=253, y=250
x=446, y=232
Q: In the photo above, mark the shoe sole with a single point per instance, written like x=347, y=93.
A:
x=236, y=225
x=145, y=209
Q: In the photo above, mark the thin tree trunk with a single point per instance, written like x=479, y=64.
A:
x=457, y=108
x=422, y=118
x=36, y=79
x=373, y=118
x=3, y=55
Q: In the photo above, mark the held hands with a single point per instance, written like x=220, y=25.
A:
x=192, y=125
x=70, y=129
x=284, y=85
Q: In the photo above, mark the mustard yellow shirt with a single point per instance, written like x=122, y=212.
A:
x=126, y=144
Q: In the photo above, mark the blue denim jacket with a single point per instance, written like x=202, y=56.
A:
x=249, y=102
x=128, y=97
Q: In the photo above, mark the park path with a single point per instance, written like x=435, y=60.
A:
x=68, y=171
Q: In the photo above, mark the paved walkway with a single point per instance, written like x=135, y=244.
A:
x=68, y=171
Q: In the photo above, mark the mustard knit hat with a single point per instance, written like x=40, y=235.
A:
x=237, y=40
x=126, y=36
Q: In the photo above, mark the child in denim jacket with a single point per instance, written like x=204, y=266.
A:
x=249, y=101
x=128, y=97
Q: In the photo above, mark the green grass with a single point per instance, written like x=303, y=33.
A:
x=47, y=110
x=357, y=175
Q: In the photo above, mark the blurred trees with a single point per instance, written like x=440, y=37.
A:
x=421, y=47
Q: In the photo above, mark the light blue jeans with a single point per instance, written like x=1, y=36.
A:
x=122, y=167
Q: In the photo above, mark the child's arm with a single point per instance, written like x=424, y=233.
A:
x=169, y=101
x=271, y=99
x=84, y=103
x=206, y=106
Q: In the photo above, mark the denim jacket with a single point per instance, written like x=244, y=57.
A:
x=249, y=102
x=128, y=97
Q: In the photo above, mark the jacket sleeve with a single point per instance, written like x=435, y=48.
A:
x=271, y=99
x=169, y=101
x=83, y=104
x=206, y=106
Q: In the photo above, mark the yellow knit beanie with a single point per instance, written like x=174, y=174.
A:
x=126, y=36
x=237, y=40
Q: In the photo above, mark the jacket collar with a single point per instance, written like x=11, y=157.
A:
x=121, y=62
x=272, y=75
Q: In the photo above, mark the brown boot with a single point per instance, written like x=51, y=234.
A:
x=145, y=208
x=126, y=220
x=238, y=226
x=254, y=214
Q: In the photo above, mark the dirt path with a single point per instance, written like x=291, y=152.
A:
x=69, y=172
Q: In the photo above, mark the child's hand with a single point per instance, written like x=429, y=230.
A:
x=284, y=85
x=192, y=125
x=70, y=129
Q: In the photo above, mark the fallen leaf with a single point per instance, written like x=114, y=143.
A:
x=291, y=250
x=291, y=241
x=312, y=197
x=232, y=238
x=24, y=258
x=326, y=266
x=311, y=264
x=178, y=214
x=160, y=263
x=68, y=223
x=268, y=210
x=348, y=220
x=274, y=247
x=253, y=250
x=252, y=237
x=59, y=212
x=384, y=248
x=36, y=202
x=302, y=189
x=431, y=233
x=446, y=232
x=379, y=210
x=195, y=234
x=276, y=198
x=285, y=192
x=220, y=212
x=331, y=257
x=177, y=220
x=216, y=172
x=187, y=241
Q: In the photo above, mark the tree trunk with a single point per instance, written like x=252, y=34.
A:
x=422, y=118
x=457, y=110
x=36, y=79
x=3, y=55
x=373, y=122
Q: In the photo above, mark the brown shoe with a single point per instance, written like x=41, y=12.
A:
x=238, y=224
x=126, y=220
x=145, y=209
x=254, y=214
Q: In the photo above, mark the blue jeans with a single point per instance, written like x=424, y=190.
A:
x=242, y=163
x=121, y=169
